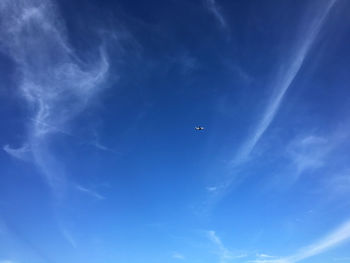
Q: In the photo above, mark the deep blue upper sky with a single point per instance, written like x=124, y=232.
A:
x=100, y=161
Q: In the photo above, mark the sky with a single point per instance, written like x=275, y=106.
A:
x=99, y=157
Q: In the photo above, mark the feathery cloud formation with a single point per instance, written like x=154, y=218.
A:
x=53, y=81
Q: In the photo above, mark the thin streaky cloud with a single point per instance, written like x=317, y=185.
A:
x=50, y=127
x=338, y=236
x=224, y=253
x=267, y=261
x=214, y=238
x=68, y=236
x=213, y=7
x=264, y=256
x=89, y=192
x=335, y=238
x=283, y=82
x=95, y=142
x=98, y=145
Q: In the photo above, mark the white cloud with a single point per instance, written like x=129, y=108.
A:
x=283, y=82
x=215, y=10
x=177, y=255
x=313, y=152
x=212, y=188
x=54, y=82
x=22, y=153
x=90, y=192
x=280, y=85
x=95, y=142
x=338, y=236
x=68, y=236
x=264, y=256
x=100, y=146
x=224, y=253
x=214, y=238
x=341, y=234
x=268, y=261
x=309, y=152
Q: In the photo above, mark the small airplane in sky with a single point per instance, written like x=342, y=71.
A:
x=199, y=128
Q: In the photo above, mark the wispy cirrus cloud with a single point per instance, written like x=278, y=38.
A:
x=89, y=192
x=22, y=153
x=280, y=85
x=213, y=7
x=224, y=253
x=284, y=80
x=338, y=236
x=264, y=256
x=54, y=82
x=68, y=237
x=309, y=152
x=267, y=261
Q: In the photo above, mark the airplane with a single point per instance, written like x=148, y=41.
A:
x=199, y=128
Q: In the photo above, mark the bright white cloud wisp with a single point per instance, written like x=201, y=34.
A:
x=338, y=236
x=284, y=80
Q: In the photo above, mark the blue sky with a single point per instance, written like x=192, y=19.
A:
x=100, y=161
